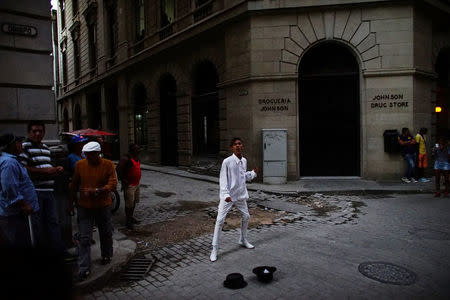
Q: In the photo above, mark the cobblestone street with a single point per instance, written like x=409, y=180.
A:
x=316, y=246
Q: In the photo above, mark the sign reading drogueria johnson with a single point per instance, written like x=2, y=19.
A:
x=274, y=104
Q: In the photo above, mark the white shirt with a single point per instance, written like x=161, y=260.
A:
x=233, y=176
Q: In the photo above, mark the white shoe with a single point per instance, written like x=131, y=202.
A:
x=406, y=180
x=413, y=180
x=213, y=256
x=246, y=244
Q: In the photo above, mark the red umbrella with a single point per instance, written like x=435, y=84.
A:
x=89, y=132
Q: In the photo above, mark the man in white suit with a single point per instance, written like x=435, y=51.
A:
x=233, y=192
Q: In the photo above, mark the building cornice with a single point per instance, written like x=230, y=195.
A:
x=399, y=72
x=249, y=78
x=294, y=76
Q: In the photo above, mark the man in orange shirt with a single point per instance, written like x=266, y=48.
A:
x=95, y=178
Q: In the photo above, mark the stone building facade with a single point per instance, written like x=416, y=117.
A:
x=26, y=66
x=181, y=77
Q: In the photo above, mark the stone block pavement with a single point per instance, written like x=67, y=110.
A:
x=315, y=259
x=184, y=270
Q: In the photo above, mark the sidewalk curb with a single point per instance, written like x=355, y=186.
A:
x=210, y=179
x=342, y=192
x=98, y=280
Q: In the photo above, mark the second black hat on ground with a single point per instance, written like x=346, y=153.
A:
x=264, y=273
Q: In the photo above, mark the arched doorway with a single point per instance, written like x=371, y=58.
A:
x=443, y=93
x=140, y=115
x=77, y=117
x=168, y=120
x=205, y=110
x=329, y=112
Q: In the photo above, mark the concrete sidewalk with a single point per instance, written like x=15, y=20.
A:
x=354, y=185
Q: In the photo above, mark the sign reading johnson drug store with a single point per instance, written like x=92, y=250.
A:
x=388, y=100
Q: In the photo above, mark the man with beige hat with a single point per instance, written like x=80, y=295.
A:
x=95, y=178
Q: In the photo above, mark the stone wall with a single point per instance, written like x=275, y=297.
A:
x=26, y=76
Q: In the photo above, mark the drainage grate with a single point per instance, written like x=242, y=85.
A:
x=136, y=269
x=387, y=273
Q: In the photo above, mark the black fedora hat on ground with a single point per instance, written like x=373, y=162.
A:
x=264, y=273
x=235, y=281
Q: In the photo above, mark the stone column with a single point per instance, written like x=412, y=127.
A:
x=101, y=42
x=224, y=139
x=122, y=91
x=122, y=11
x=83, y=106
x=184, y=129
x=70, y=111
x=103, y=107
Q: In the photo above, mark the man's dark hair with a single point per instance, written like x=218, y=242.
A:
x=423, y=130
x=234, y=140
x=35, y=123
x=405, y=130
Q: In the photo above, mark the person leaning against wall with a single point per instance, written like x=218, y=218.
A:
x=422, y=157
x=408, y=146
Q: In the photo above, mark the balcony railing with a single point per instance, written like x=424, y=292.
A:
x=197, y=14
x=203, y=11
x=165, y=32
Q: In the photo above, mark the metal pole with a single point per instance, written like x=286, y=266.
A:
x=30, y=225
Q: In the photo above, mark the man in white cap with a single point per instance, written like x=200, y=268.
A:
x=95, y=177
x=233, y=192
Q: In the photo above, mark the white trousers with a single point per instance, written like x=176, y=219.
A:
x=224, y=208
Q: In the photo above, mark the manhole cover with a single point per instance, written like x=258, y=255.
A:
x=432, y=234
x=387, y=273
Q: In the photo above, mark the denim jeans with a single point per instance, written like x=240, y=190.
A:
x=15, y=231
x=87, y=217
x=410, y=163
x=50, y=230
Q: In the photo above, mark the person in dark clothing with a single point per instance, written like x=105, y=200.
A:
x=75, y=146
x=408, y=144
